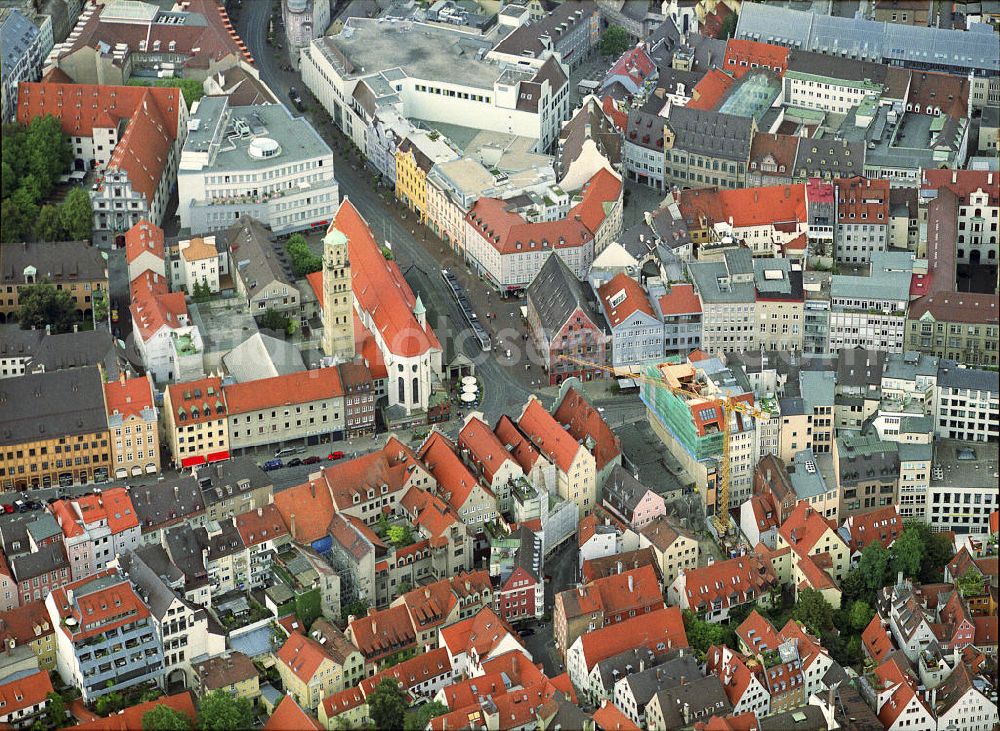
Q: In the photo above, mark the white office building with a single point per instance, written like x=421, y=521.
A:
x=255, y=161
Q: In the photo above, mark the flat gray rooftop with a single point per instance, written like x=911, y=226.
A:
x=422, y=51
x=296, y=138
x=965, y=464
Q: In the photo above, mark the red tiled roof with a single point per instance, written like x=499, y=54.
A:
x=302, y=655
x=432, y=513
x=618, y=117
x=609, y=718
x=778, y=147
x=741, y=55
x=889, y=675
x=603, y=189
x=587, y=528
x=664, y=626
x=483, y=632
x=420, y=669
x=153, y=309
x=260, y=525
x=963, y=307
x=130, y=397
x=100, y=611
x=433, y=603
x=289, y=716
x=862, y=200
x=986, y=631
x=741, y=722
x=682, y=299
x=516, y=443
x=485, y=448
x=343, y=701
x=758, y=634
x=383, y=632
x=635, y=299
x=148, y=284
x=548, y=435
x=634, y=63
x=454, y=480
x=307, y=509
x=144, y=236
x=731, y=582
x=803, y=527
x=23, y=693
x=581, y=420
x=113, y=505
x=379, y=288
x=731, y=667
x=131, y=718
x=763, y=512
x=205, y=395
x=25, y=624
x=367, y=348
x=291, y=388
x=510, y=233
x=930, y=91
x=882, y=524
x=747, y=207
x=963, y=182
x=708, y=92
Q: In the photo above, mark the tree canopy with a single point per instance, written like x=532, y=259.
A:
x=615, y=41
x=32, y=159
x=274, y=320
x=165, y=718
x=702, y=635
x=42, y=304
x=387, y=704
x=303, y=260
x=191, y=89
x=220, y=711
x=417, y=720
x=813, y=611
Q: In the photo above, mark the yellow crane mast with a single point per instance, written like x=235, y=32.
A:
x=729, y=407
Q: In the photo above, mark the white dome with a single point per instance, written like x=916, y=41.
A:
x=264, y=147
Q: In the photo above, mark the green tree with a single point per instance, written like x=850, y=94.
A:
x=191, y=89
x=417, y=720
x=165, y=718
x=873, y=566
x=273, y=320
x=201, y=292
x=387, y=704
x=109, y=703
x=400, y=535
x=907, y=553
x=971, y=584
x=357, y=608
x=387, y=254
x=813, y=611
x=14, y=223
x=49, y=226
x=859, y=615
x=702, y=635
x=615, y=41
x=56, y=710
x=101, y=305
x=728, y=28
x=220, y=711
x=42, y=304
x=77, y=214
x=303, y=260
x=936, y=550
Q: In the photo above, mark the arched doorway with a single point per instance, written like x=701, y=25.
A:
x=974, y=256
x=176, y=681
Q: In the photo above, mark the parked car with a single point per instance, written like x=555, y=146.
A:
x=8, y=508
x=527, y=632
x=335, y=455
x=312, y=460
x=294, y=462
x=272, y=464
x=285, y=452
x=293, y=94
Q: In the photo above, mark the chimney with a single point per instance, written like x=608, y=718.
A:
x=618, y=565
x=177, y=493
x=121, y=378
x=291, y=527
x=312, y=488
x=954, y=177
x=260, y=512
x=630, y=585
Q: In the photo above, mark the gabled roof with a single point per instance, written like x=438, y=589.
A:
x=509, y=233
x=481, y=633
x=661, y=532
x=882, y=524
x=145, y=236
x=731, y=582
x=629, y=298
x=556, y=294
x=380, y=289
x=609, y=718
x=681, y=299
x=600, y=193
x=423, y=668
x=548, y=435
x=745, y=207
x=293, y=388
x=131, y=718
x=708, y=93
x=658, y=631
x=959, y=307
x=153, y=308
x=586, y=425
x=302, y=655
x=485, y=448
x=260, y=525
x=891, y=676
x=623, y=491
x=804, y=527
x=742, y=55
x=517, y=443
x=454, y=479
x=23, y=693
x=289, y=716
x=620, y=592
x=128, y=397
x=383, y=632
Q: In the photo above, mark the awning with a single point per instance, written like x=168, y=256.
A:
x=193, y=460
x=151, y=469
x=218, y=456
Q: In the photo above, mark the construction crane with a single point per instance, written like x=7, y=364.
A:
x=729, y=407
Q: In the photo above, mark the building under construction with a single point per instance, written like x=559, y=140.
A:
x=687, y=413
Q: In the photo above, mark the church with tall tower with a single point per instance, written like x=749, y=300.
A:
x=338, y=297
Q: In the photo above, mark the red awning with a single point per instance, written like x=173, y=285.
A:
x=192, y=461
x=218, y=456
